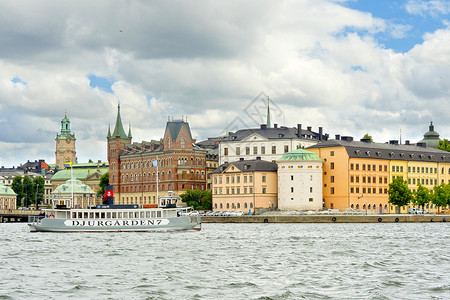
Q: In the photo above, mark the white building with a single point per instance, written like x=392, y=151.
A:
x=267, y=143
x=300, y=181
x=81, y=194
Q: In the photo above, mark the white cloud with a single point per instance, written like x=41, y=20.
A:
x=434, y=8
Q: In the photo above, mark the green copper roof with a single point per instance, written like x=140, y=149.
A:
x=299, y=155
x=78, y=173
x=175, y=128
x=118, y=129
x=78, y=188
x=6, y=190
x=431, y=137
x=109, y=132
x=129, y=131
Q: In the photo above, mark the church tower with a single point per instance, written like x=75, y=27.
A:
x=65, y=144
x=116, y=142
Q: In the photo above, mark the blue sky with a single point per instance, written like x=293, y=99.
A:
x=416, y=18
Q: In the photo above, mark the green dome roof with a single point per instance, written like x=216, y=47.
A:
x=300, y=155
x=6, y=190
x=431, y=137
x=78, y=188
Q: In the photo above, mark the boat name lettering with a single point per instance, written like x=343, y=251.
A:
x=112, y=223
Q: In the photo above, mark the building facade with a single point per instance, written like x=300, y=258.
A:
x=139, y=172
x=81, y=194
x=245, y=185
x=265, y=142
x=300, y=181
x=65, y=145
x=357, y=173
x=8, y=199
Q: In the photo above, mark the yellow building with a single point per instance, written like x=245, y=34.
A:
x=357, y=173
x=245, y=185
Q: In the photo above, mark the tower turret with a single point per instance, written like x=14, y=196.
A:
x=65, y=144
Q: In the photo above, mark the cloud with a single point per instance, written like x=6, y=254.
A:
x=434, y=8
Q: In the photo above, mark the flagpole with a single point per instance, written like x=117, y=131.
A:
x=157, y=180
x=71, y=176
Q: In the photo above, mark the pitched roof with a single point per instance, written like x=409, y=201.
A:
x=175, y=128
x=387, y=151
x=73, y=185
x=118, y=129
x=254, y=165
x=299, y=155
x=274, y=133
x=6, y=191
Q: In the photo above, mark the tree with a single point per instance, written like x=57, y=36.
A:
x=367, y=136
x=422, y=196
x=441, y=195
x=399, y=193
x=28, y=190
x=444, y=145
x=104, y=181
x=198, y=199
x=17, y=187
x=38, y=187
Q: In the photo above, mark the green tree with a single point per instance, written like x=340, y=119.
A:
x=38, y=187
x=444, y=145
x=422, y=196
x=17, y=187
x=399, y=193
x=28, y=190
x=441, y=195
x=367, y=136
x=198, y=199
x=104, y=181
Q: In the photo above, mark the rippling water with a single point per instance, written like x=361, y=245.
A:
x=230, y=261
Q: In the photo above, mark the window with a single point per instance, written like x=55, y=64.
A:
x=332, y=165
x=401, y=168
x=385, y=168
x=393, y=168
x=286, y=148
x=351, y=166
x=332, y=178
x=357, y=167
x=227, y=180
x=183, y=143
x=352, y=179
x=255, y=150
x=292, y=189
x=225, y=151
x=274, y=149
x=310, y=189
x=332, y=153
x=238, y=179
x=263, y=190
x=380, y=168
x=245, y=179
x=250, y=178
x=368, y=167
x=352, y=190
x=292, y=177
x=263, y=150
x=247, y=150
x=364, y=167
x=311, y=199
x=264, y=178
x=357, y=179
x=332, y=190
x=238, y=150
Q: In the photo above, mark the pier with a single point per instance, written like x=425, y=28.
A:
x=16, y=215
x=330, y=218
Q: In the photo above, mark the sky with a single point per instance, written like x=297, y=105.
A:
x=352, y=67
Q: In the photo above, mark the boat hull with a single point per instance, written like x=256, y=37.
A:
x=115, y=225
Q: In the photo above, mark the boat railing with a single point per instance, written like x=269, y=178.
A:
x=35, y=219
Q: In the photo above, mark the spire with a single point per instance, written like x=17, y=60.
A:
x=109, y=131
x=268, y=113
x=431, y=128
x=118, y=129
x=129, y=131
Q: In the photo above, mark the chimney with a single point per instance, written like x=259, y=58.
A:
x=338, y=137
x=263, y=126
x=347, y=138
x=424, y=145
x=320, y=133
x=241, y=159
x=258, y=158
x=393, y=142
x=299, y=130
x=365, y=140
x=275, y=125
x=407, y=142
x=309, y=128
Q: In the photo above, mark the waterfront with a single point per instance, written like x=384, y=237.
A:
x=231, y=261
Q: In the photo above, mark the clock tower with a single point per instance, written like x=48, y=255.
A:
x=65, y=145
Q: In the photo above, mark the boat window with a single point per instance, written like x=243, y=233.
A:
x=108, y=215
x=74, y=215
x=142, y=215
x=147, y=214
x=125, y=215
x=114, y=215
x=91, y=215
x=85, y=215
x=102, y=215
x=158, y=214
x=97, y=215
x=80, y=215
x=153, y=214
x=136, y=214
x=119, y=215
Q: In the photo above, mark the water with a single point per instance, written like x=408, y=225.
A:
x=230, y=261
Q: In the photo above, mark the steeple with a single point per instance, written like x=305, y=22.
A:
x=268, y=113
x=109, y=131
x=118, y=129
x=129, y=131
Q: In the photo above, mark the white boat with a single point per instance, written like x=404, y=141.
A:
x=167, y=216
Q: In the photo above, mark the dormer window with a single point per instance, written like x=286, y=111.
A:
x=378, y=153
x=431, y=156
x=421, y=156
x=357, y=152
x=183, y=143
x=402, y=155
x=368, y=153
x=412, y=155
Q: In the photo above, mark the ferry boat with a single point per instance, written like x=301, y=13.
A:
x=166, y=216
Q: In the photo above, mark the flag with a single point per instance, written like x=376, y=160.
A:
x=155, y=163
x=68, y=164
x=109, y=193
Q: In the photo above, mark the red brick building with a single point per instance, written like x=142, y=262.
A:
x=132, y=166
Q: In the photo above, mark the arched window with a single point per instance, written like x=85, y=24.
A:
x=351, y=206
x=238, y=205
x=228, y=205
x=183, y=142
x=245, y=205
x=357, y=206
x=168, y=143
